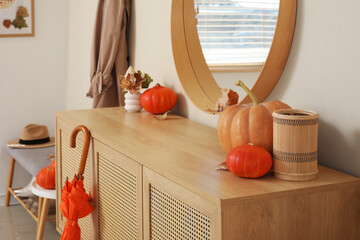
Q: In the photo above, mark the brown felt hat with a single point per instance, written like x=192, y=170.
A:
x=33, y=136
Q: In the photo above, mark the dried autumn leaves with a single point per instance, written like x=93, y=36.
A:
x=134, y=81
x=228, y=98
x=19, y=21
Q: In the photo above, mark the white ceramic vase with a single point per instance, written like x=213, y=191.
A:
x=132, y=102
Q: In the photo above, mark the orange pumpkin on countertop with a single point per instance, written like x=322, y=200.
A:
x=158, y=99
x=249, y=161
x=241, y=124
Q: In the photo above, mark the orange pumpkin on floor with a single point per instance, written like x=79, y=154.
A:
x=249, y=161
x=158, y=99
x=46, y=177
x=241, y=124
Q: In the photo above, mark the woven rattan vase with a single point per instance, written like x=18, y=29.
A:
x=295, y=135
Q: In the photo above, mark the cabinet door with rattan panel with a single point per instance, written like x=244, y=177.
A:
x=119, y=195
x=173, y=212
x=67, y=163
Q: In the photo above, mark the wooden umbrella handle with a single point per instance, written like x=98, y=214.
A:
x=86, y=145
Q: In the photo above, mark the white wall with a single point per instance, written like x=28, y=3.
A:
x=32, y=80
x=321, y=74
x=81, y=20
x=228, y=79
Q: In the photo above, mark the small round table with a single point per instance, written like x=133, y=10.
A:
x=45, y=195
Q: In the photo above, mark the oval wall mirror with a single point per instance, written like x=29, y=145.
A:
x=194, y=72
x=235, y=37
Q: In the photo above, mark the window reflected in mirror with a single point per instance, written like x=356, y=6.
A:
x=236, y=34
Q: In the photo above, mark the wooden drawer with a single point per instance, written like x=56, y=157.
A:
x=173, y=212
x=119, y=195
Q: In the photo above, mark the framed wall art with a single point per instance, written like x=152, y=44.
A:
x=17, y=18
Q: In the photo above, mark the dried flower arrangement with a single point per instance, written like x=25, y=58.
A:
x=134, y=81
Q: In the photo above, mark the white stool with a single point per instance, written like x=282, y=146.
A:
x=45, y=195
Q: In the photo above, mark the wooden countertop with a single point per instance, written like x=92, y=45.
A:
x=178, y=147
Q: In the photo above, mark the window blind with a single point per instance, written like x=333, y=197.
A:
x=236, y=32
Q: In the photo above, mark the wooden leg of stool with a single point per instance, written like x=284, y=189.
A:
x=44, y=212
x=40, y=205
x=9, y=183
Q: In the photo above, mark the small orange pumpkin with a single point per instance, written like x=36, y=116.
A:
x=241, y=124
x=249, y=161
x=158, y=99
x=46, y=177
x=52, y=165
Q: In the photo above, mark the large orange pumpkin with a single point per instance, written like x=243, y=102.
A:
x=241, y=124
x=249, y=161
x=46, y=177
x=158, y=99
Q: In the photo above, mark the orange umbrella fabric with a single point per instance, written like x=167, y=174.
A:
x=74, y=205
x=75, y=202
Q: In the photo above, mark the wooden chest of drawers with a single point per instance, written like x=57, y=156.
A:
x=156, y=179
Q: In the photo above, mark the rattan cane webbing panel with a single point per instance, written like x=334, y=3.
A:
x=117, y=191
x=69, y=166
x=171, y=218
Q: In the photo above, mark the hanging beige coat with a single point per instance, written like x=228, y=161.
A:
x=109, y=56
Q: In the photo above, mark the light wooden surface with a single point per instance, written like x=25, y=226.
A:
x=178, y=147
x=9, y=182
x=181, y=219
x=328, y=215
x=42, y=218
x=183, y=62
x=194, y=74
x=118, y=188
x=178, y=158
x=40, y=205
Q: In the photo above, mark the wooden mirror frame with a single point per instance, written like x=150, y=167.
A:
x=193, y=71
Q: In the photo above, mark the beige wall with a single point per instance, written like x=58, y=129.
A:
x=321, y=74
x=81, y=20
x=32, y=80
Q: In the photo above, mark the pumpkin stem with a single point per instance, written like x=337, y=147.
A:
x=248, y=91
x=158, y=85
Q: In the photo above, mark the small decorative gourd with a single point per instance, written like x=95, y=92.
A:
x=241, y=124
x=158, y=99
x=249, y=161
x=46, y=177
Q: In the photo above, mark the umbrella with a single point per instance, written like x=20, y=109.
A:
x=75, y=202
